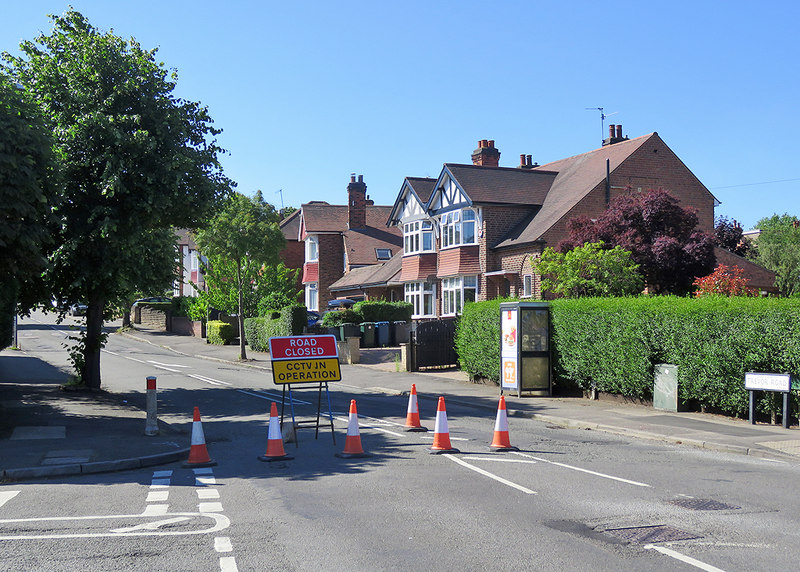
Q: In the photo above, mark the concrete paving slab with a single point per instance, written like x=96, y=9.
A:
x=39, y=432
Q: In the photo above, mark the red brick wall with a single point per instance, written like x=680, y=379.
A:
x=331, y=265
x=293, y=256
x=497, y=221
x=757, y=276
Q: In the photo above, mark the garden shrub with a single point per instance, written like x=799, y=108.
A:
x=289, y=322
x=339, y=317
x=219, y=332
x=383, y=311
x=477, y=339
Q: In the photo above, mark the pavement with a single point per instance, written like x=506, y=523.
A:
x=47, y=431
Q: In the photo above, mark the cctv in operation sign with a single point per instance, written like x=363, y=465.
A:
x=304, y=359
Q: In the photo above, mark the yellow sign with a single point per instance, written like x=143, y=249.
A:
x=306, y=370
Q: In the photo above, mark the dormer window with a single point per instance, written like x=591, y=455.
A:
x=312, y=249
x=458, y=228
x=383, y=253
x=417, y=237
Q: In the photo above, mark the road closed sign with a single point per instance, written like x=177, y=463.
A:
x=304, y=359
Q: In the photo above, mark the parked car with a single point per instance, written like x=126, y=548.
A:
x=313, y=318
x=77, y=309
x=153, y=299
x=341, y=303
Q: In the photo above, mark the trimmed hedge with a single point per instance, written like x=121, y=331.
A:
x=339, y=317
x=382, y=311
x=219, y=332
x=290, y=322
x=613, y=344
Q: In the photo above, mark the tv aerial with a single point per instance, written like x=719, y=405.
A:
x=602, y=119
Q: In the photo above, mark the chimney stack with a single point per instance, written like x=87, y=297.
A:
x=526, y=162
x=614, y=135
x=486, y=155
x=357, y=202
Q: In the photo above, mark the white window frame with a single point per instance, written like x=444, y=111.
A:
x=312, y=249
x=415, y=236
x=312, y=296
x=422, y=297
x=456, y=291
x=527, y=286
x=456, y=226
x=387, y=254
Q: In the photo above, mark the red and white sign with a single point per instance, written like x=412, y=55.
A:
x=303, y=347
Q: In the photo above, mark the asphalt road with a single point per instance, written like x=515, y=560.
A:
x=569, y=499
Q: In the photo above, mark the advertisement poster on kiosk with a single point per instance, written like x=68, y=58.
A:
x=509, y=349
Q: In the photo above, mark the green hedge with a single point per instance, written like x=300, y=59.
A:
x=339, y=317
x=382, y=311
x=613, y=344
x=290, y=322
x=219, y=332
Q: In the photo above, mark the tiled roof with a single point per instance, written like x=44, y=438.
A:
x=576, y=177
x=375, y=275
x=423, y=186
x=360, y=243
x=324, y=218
x=502, y=185
x=290, y=226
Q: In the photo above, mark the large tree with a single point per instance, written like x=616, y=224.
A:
x=660, y=235
x=728, y=234
x=135, y=160
x=26, y=193
x=242, y=239
x=778, y=248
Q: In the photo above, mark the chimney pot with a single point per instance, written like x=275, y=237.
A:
x=529, y=160
x=611, y=131
x=361, y=178
x=491, y=144
x=522, y=160
x=352, y=177
x=619, y=131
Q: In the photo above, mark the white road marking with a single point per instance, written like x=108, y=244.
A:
x=152, y=525
x=168, y=364
x=205, y=507
x=223, y=544
x=159, y=483
x=162, y=474
x=207, y=493
x=203, y=471
x=155, y=510
x=490, y=475
x=210, y=380
x=202, y=481
x=228, y=564
x=683, y=558
x=6, y=496
x=595, y=473
x=157, y=496
x=347, y=420
x=271, y=398
x=221, y=522
x=500, y=460
x=431, y=438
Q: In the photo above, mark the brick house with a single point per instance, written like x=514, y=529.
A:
x=337, y=240
x=191, y=280
x=472, y=234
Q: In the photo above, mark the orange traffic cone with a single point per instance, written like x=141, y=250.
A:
x=412, y=417
x=352, y=445
x=441, y=434
x=198, y=454
x=275, y=450
x=501, y=441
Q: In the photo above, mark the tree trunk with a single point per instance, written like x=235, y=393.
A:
x=93, y=342
x=240, y=318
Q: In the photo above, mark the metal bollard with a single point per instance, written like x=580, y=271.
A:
x=151, y=425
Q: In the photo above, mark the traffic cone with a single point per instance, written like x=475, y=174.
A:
x=412, y=417
x=275, y=451
x=441, y=434
x=198, y=454
x=501, y=441
x=352, y=445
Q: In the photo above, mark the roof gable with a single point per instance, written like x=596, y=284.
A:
x=411, y=200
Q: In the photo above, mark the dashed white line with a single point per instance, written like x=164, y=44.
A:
x=346, y=419
x=168, y=364
x=159, y=483
x=228, y=564
x=204, y=480
x=205, y=507
x=683, y=558
x=207, y=494
x=156, y=510
x=500, y=460
x=157, y=496
x=595, y=473
x=210, y=380
x=490, y=475
x=223, y=544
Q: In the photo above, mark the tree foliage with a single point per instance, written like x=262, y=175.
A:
x=728, y=234
x=725, y=281
x=778, y=249
x=26, y=192
x=659, y=234
x=589, y=270
x=134, y=159
x=239, y=242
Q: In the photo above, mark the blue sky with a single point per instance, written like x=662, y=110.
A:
x=309, y=92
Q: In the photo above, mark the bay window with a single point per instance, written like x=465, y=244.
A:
x=456, y=292
x=417, y=237
x=421, y=296
x=458, y=227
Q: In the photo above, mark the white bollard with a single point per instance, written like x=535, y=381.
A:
x=151, y=425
